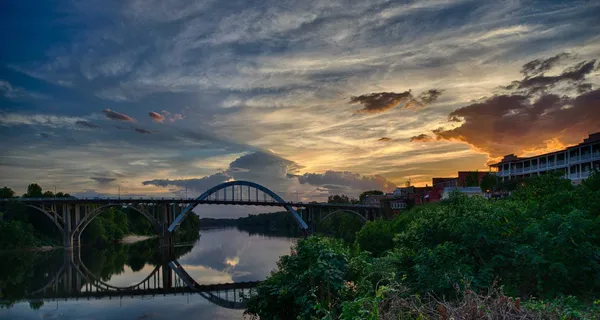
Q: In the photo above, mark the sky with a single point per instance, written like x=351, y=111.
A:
x=308, y=98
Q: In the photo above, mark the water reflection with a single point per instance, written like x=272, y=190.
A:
x=205, y=279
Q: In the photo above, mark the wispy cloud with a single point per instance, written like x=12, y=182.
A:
x=113, y=115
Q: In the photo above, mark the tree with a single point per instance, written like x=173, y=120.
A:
x=340, y=199
x=48, y=194
x=33, y=191
x=364, y=195
x=62, y=195
x=488, y=182
x=6, y=192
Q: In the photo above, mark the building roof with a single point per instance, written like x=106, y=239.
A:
x=594, y=137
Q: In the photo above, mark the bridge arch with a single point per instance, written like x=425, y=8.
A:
x=187, y=210
x=47, y=214
x=86, y=220
x=99, y=284
x=346, y=211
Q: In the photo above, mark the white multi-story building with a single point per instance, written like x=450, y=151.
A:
x=575, y=162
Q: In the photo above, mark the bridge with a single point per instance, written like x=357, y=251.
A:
x=71, y=216
x=73, y=281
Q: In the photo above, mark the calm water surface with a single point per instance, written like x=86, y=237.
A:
x=30, y=289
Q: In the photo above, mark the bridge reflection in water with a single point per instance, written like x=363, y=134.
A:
x=74, y=281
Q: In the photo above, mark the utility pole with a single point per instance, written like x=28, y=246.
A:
x=119, y=190
x=54, y=191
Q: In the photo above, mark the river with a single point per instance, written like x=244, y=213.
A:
x=39, y=286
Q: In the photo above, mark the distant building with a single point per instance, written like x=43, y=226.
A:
x=404, y=191
x=375, y=200
x=445, y=182
x=575, y=162
x=464, y=175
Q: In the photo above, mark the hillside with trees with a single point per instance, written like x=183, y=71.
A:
x=533, y=255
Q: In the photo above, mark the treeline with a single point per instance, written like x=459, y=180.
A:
x=533, y=255
x=268, y=222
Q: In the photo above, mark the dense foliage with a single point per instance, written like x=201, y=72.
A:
x=541, y=245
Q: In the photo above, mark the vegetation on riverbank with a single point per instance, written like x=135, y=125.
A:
x=535, y=255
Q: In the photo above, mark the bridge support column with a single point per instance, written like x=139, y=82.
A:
x=67, y=227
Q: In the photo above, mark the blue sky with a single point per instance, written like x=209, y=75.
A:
x=306, y=97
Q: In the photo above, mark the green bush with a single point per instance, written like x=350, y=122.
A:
x=376, y=237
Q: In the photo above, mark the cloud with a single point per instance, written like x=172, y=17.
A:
x=430, y=96
x=141, y=130
x=540, y=66
x=384, y=139
x=200, y=184
x=172, y=117
x=47, y=120
x=11, y=92
x=86, y=124
x=103, y=180
x=347, y=180
x=575, y=75
x=157, y=117
x=530, y=121
x=384, y=101
x=380, y=101
x=113, y=115
x=421, y=138
x=279, y=175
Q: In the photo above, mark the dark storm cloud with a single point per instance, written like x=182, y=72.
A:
x=200, y=184
x=157, y=117
x=421, y=138
x=430, y=96
x=384, y=139
x=347, y=179
x=380, y=101
x=260, y=160
x=103, y=180
x=86, y=124
x=276, y=173
x=113, y=115
x=539, y=66
x=532, y=119
x=575, y=74
x=383, y=101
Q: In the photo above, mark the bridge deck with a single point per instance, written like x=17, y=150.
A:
x=132, y=201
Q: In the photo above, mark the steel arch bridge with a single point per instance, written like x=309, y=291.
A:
x=71, y=216
x=223, y=187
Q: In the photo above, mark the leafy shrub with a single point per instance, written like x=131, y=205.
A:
x=376, y=237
